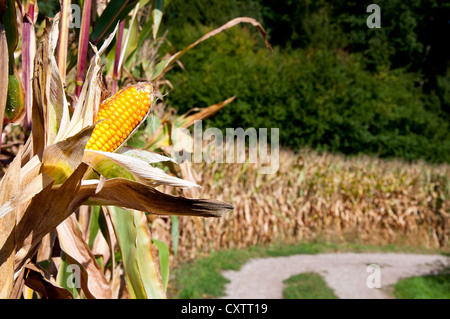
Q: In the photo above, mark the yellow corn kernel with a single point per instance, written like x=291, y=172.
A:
x=121, y=114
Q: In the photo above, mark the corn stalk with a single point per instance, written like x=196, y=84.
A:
x=56, y=242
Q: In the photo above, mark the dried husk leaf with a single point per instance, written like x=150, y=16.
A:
x=46, y=247
x=118, y=191
x=55, y=106
x=47, y=210
x=187, y=120
x=39, y=280
x=62, y=158
x=38, y=109
x=9, y=186
x=100, y=247
x=73, y=244
x=165, y=65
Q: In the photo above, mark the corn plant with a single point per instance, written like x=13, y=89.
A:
x=75, y=201
x=321, y=197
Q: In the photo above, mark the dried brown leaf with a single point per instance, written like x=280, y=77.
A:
x=133, y=195
x=8, y=187
x=38, y=110
x=47, y=210
x=39, y=280
x=72, y=243
x=61, y=159
x=168, y=64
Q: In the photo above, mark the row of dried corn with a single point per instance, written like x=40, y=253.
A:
x=319, y=196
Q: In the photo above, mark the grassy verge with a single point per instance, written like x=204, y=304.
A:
x=202, y=277
x=424, y=287
x=307, y=286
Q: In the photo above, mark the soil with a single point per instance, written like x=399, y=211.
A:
x=350, y=275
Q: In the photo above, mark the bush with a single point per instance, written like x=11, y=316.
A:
x=318, y=98
x=326, y=85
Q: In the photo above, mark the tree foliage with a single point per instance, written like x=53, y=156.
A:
x=331, y=83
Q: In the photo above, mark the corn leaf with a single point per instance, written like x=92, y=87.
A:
x=141, y=170
x=49, y=88
x=166, y=64
x=125, y=231
x=39, y=280
x=47, y=209
x=174, y=231
x=90, y=96
x=37, y=107
x=10, y=24
x=83, y=43
x=9, y=186
x=56, y=108
x=94, y=225
x=63, y=40
x=35, y=184
x=187, y=120
x=67, y=280
x=151, y=278
x=3, y=75
x=131, y=38
x=74, y=245
x=144, y=34
x=163, y=254
x=118, y=191
x=146, y=156
x=58, y=115
x=135, y=247
x=115, y=11
x=62, y=158
x=28, y=54
x=157, y=13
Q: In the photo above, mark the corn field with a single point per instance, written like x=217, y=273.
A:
x=77, y=191
x=319, y=196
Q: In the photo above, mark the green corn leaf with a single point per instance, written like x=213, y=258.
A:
x=157, y=13
x=175, y=234
x=10, y=24
x=66, y=278
x=163, y=251
x=115, y=11
x=94, y=225
x=134, y=241
x=123, y=223
x=148, y=269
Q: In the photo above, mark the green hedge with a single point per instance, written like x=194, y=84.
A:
x=331, y=83
x=317, y=97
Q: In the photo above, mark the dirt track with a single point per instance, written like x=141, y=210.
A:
x=346, y=273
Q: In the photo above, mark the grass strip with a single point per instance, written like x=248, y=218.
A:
x=307, y=286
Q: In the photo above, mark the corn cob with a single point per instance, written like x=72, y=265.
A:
x=121, y=114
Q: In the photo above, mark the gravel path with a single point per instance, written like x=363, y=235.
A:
x=346, y=273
